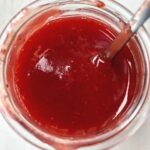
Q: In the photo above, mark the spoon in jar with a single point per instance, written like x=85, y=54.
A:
x=142, y=14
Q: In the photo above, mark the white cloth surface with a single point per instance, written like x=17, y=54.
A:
x=9, y=140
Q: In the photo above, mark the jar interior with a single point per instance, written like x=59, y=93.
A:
x=46, y=14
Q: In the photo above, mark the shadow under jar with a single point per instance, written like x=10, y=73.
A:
x=57, y=91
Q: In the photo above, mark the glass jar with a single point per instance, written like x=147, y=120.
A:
x=112, y=14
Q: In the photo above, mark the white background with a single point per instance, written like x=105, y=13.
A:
x=9, y=140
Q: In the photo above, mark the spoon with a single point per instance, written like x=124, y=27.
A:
x=142, y=14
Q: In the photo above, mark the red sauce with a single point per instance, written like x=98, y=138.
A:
x=100, y=4
x=65, y=86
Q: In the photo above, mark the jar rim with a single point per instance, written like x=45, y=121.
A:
x=115, y=135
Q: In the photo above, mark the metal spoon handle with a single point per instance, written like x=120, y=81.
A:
x=142, y=14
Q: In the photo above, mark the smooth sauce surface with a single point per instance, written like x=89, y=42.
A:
x=65, y=86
